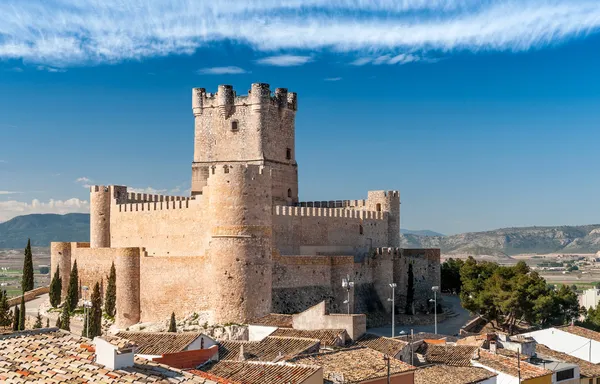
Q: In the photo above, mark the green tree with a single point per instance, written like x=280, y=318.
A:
x=92, y=326
x=55, y=289
x=27, y=279
x=410, y=292
x=65, y=317
x=110, y=299
x=38, y=322
x=16, y=317
x=73, y=291
x=172, y=323
x=5, y=315
x=450, y=275
x=47, y=322
x=22, y=314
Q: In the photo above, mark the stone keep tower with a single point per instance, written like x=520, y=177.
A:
x=255, y=129
x=240, y=249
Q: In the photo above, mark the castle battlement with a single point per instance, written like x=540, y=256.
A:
x=154, y=206
x=282, y=210
x=133, y=197
x=259, y=94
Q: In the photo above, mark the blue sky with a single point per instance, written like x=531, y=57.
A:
x=484, y=114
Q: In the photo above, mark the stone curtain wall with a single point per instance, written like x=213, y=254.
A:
x=313, y=231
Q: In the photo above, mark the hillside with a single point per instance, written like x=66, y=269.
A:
x=44, y=228
x=513, y=241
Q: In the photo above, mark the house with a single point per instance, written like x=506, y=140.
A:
x=155, y=344
x=259, y=372
x=359, y=365
x=575, y=341
x=445, y=374
x=511, y=370
x=315, y=318
x=562, y=372
x=393, y=347
x=52, y=355
x=327, y=337
x=588, y=373
x=271, y=348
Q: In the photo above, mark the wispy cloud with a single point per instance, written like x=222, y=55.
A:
x=332, y=79
x=285, y=60
x=50, y=69
x=402, y=58
x=62, y=33
x=9, y=192
x=85, y=182
x=14, y=69
x=221, y=71
x=12, y=208
x=3, y=161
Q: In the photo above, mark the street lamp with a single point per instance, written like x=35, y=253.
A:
x=85, y=311
x=393, y=300
x=435, y=288
x=348, y=285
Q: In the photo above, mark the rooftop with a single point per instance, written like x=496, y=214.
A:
x=270, y=348
x=159, y=343
x=455, y=355
x=255, y=372
x=274, y=320
x=355, y=364
x=385, y=345
x=586, y=368
x=327, y=337
x=443, y=374
x=580, y=331
x=430, y=336
x=509, y=365
x=52, y=355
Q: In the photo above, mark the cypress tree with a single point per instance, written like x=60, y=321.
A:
x=73, y=291
x=65, y=317
x=95, y=313
x=16, y=317
x=38, y=321
x=5, y=316
x=173, y=323
x=110, y=299
x=22, y=314
x=410, y=291
x=55, y=289
x=27, y=279
x=47, y=322
x=57, y=324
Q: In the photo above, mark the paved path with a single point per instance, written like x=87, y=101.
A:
x=32, y=308
x=449, y=327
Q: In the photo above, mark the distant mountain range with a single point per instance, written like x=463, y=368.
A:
x=513, y=241
x=45, y=228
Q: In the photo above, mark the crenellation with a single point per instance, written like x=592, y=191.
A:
x=242, y=244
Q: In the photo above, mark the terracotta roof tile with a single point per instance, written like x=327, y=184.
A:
x=509, y=365
x=327, y=337
x=386, y=345
x=274, y=320
x=271, y=348
x=354, y=364
x=455, y=355
x=51, y=355
x=580, y=331
x=255, y=372
x=159, y=343
x=444, y=374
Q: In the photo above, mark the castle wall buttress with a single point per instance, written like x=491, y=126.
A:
x=240, y=250
x=127, y=265
x=60, y=258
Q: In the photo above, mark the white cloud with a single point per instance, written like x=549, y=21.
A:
x=12, y=208
x=332, y=79
x=62, y=33
x=402, y=58
x=221, y=71
x=9, y=192
x=285, y=60
x=148, y=190
x=50, y=69
x=84, y=182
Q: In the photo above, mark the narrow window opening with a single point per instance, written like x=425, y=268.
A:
x=289, y=192
x=378, y=207
x=234, y=126
x=226, y=168
x=360, y=229
x=288, y=154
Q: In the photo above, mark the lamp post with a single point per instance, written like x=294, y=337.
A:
x=348, y=285
x=435, y=288
x=85, y=311
x=393, y=300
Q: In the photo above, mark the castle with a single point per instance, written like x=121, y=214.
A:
x=243, y=245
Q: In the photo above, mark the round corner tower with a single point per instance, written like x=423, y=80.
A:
x=100, y=216
x=127, y=266
x=240, y=250
x=60, y=258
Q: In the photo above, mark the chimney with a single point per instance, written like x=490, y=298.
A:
x=242, y=355
x=113, y=352
x=493, y=347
